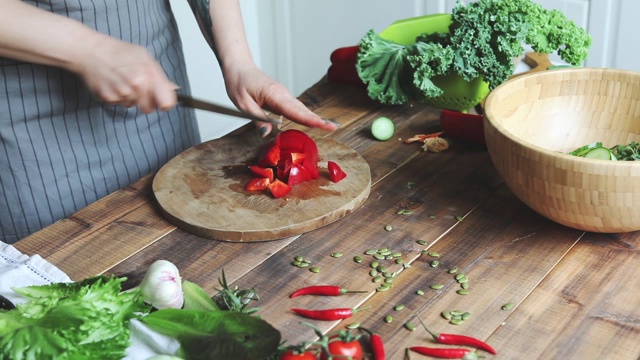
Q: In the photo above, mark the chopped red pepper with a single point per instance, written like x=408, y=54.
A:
x=271, y=155
x=298, y=174
x=279, y=189
x=335, y=172
x=263, y=172
x=258, y=184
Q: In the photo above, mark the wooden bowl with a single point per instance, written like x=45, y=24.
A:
x=532, y=121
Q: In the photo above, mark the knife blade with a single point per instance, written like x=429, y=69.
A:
x=191, y=102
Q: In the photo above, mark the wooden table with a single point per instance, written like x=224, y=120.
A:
x=576, y=295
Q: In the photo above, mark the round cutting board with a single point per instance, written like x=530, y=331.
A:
x=202, y=191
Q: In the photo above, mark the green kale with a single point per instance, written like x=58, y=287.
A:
x=483, y=39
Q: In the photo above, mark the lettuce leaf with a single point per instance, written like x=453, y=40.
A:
x=82, y=320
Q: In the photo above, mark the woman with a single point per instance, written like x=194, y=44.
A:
x=88, y=95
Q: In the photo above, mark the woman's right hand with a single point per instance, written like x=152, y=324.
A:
x=121, y=73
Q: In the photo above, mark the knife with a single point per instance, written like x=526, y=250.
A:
x=191, y=102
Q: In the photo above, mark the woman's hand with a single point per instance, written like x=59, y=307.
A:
x=253, y=91
x=121, y=73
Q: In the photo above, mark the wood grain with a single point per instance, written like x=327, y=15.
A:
x=202, y=191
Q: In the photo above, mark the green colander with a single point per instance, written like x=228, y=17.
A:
x=458, y=94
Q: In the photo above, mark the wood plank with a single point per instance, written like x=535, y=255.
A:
x=96, y=252
x=97, y=215
x=275, y=278
x=587, y=307
x=494, y=246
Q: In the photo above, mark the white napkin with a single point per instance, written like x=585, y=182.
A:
x=20, y=270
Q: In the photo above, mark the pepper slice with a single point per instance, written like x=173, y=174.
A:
x=335, y=172
x=258, y=184
x=262, y=172
x=278, y=188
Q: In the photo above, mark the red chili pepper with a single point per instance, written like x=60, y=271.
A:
x=377, y=347
x=326, y=314
x=324, y=290
x=452, y=339
x=442, y=353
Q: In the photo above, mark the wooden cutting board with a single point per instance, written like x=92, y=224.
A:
x=202, y=191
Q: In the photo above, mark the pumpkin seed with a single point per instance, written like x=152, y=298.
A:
x=459, y=276
x=435, y=263
x=466, y=315
x=456, y=313
x=371, y=252
x=388, y=257
x=399, y=261
x=445, y=314
x=353, y=326
x=507, y=306
x=459, y=218
x=388, y=228
x=381, y=268
x=453, y=270
x=407, y=212
x=388, y=319
x=398, y=307
x=357, y=259
x=382, y=288
x=388, y=280
x=409, y=326
x=421, y=242
x=410, y=184
x=420, y=292
x=464, y=285
x=377, y=279
x=379, y=256
x=433, y=254
x=463, y=292
x=298, y=258
x=303, y=265
x=385, y=252
x=400, y=211
x=436, y=286
x=375, y=264
x=456, y=321
x=432, y=216
x=295, y=263
x=463, y=279
x=396, y=254
x=337, y=254
x=373, y=272
x=314, y=269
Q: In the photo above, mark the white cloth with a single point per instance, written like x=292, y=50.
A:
x=20, y=270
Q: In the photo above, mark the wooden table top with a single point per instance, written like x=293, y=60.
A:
x=576, y=295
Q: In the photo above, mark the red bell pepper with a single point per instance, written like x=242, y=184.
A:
x=258, y=184
x=462, y=126
x=343, y=66
x=279, y=189
x=335, y=172
x=262, y=172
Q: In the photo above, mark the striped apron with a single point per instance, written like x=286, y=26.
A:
x=60, y=148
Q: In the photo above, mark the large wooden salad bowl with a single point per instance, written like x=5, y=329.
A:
x=532, y=121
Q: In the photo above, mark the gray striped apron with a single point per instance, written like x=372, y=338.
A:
x=60, y=148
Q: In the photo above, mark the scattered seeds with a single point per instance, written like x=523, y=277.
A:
x=459, y=218
x=399, y=261
x=409, y=326
x=453, y=270
x=434, y=263
x=463, y=279
x=374, y=264
x=357, y=259
x=298, y=258
x=507, y=306
x=456, y=321
x=383, y=287
x=371, y=252
x=377, y=279
x=421, y=242
x=388, y=227
x=432, y=216
x=420, y=292
x=388, y=319
x=464, y=285
x=396, y=254
x=379, y=256
x=398, y=307
x=433, y=254
x=400, y=211
x=295, y=263
x=466, y=315
x=337, y=254
x=456, y=313
x=463, y=292
x=314, y=269
x=436, y=286
x=459, y=276
x=303, y=264
x=373, y=273
x=353, y=326
x=447, y=315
